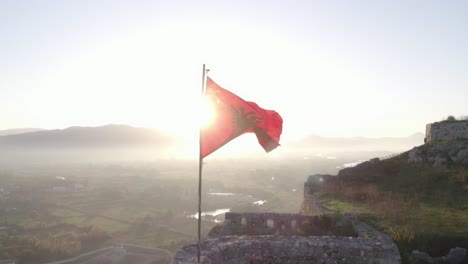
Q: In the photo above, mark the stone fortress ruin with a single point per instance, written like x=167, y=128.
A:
x=316, y=235
x=312, y=236
x=446, y=131
x=446, y=143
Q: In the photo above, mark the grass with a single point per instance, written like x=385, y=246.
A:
x=329, y=202
x=398, y=209
x=422, y=207
x=12, y=218
x=430, y=229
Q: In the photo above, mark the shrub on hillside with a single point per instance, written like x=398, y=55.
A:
x=91, y=234
x=451, y=118
x=401, y=233
x=91, y=237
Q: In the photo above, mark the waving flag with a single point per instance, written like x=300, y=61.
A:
x=233, y=117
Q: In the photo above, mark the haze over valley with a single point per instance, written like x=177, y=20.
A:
x=125, y=143
x=331, y=110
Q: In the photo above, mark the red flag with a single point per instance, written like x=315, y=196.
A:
x=233, y=117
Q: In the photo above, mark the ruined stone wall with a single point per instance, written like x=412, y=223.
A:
x=270, y=224
x=233, y=242
x=273, y=238
x=289, y=249
x=443, y=131
x=310, y=203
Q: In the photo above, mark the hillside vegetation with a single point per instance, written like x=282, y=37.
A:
x=421, y=206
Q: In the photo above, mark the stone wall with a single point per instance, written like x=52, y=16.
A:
x=233, y=242
x=273, y=238
x=443, y=131
x=289, y=249
x=272, y=224
x=310, y=203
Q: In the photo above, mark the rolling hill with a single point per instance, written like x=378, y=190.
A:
x=87, y=144
x=18, y=131
x=84, y=137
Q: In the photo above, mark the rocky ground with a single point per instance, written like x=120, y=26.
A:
x=441, y=153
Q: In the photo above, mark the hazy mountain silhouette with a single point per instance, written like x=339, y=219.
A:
x=18, y=131
x=122, y=142
x=360, y=143
x=89, y=137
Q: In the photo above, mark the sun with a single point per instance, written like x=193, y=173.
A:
x=206, y=113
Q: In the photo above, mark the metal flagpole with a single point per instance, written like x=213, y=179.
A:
x=200, y=165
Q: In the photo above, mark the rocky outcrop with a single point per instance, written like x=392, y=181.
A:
x=415, y=155
x=440, y=154
x=455, y=256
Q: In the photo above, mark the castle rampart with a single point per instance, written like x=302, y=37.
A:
x=275, y=238
x=310, y=204
x=271, y=224
x=289, y=249
x=446, y=130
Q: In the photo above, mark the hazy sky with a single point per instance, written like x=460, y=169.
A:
x=332, y=68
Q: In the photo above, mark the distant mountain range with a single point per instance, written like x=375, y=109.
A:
x=125, y=136
x=86, y=137
x=18, y=131
x=125, y=142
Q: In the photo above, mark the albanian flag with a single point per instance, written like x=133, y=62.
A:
x=233, y=117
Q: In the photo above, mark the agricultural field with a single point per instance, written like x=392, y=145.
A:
x=59, y=211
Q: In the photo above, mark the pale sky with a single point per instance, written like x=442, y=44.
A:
x=330, y=68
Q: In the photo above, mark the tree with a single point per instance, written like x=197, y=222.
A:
x=451, y=118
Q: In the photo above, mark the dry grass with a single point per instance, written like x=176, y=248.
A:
x=401, y=233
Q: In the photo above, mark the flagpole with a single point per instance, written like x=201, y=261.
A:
x=200, y=166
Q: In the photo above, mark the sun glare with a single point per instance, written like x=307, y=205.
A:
x=206, y=113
